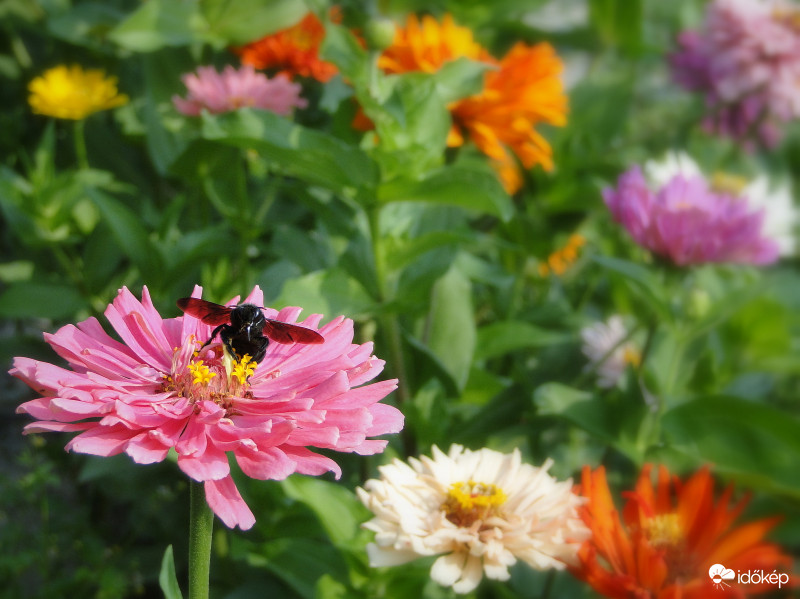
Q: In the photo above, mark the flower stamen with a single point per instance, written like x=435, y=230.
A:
x=664, y=530
x=469, y=502
x=201, y=374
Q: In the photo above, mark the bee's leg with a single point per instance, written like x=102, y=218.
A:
x=214, y=334
x=225, y=335
x=261, y=349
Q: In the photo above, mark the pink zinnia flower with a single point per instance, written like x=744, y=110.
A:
x=232, y=89
x=153, y=392
x=746, y=61
x=681, y=217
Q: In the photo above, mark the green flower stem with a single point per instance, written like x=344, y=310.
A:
x=80, y=144
x=390, y=322
x=201, y=524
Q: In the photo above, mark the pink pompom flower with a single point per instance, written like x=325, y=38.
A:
x=237, y=88
x=675, y=213
x=157, y=390
x=746, y=62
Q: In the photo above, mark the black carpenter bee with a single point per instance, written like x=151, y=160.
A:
x=243, y=329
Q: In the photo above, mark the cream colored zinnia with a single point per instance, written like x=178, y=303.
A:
x=481, y=511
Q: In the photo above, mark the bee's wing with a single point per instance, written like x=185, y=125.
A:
x=283, y=332
x=210, y=313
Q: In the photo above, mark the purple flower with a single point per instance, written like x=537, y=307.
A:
x=746, y=62
x=232, y=89
x=685, y=220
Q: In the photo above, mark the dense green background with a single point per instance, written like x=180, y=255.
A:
x=419, y=245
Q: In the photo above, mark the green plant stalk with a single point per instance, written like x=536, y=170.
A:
x=80, y=144
x=389, y=322
x=201, y=525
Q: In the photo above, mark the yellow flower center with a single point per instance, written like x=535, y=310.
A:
x=197, y=381
x=664, y=530
x=243, y=369
x=632, y=356
x=728, y=183
x=470, y=502
x=201, y=373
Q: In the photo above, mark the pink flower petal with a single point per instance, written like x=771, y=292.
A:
x=225, y=501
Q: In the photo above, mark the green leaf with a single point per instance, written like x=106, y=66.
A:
x=167, y=579
x=299, y=562
x=233, y=22
x=404, y=251
x=472, y=189
x=460, y=78
x=616, y=421
x=500, y=338
x=167, y=136
x=338, y=509
x=159, y=23
x=300, y=152
x=618, y=22
x=33, y=299
x=412, y=123
x=343, y=49
x=754, y=441
x=641, y=281
x=127, y=229
x=85, y=24
x=330, y=292
x=452, y=331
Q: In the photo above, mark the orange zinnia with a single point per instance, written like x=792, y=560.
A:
x=427, y=45
x=523, y=90
x=668, y=538
x=293, y=51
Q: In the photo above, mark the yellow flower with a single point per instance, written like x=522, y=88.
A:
x=72, y=93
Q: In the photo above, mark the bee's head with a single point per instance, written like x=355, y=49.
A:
x=248, y=319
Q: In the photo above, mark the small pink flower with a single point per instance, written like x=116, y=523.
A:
x=683, y=219
x=153, y=392
x=232, y=89
x=746, y=62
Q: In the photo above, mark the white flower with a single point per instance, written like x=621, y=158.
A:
x=480, y=511
x=780, y=215
x=603, y=346
x=661, y=172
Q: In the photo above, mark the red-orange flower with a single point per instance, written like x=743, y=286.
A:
x=523, y=90
x=292, y=51
x=668, y=537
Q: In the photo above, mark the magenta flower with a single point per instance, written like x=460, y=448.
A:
x=154, y=392
x=688, y=222
x=232, y=89
x=746, y=62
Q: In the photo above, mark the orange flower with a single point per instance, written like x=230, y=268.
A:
x=559, y=261
x=426, y=46
x=293, y=51
x=523, y=90
x=668, y=538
